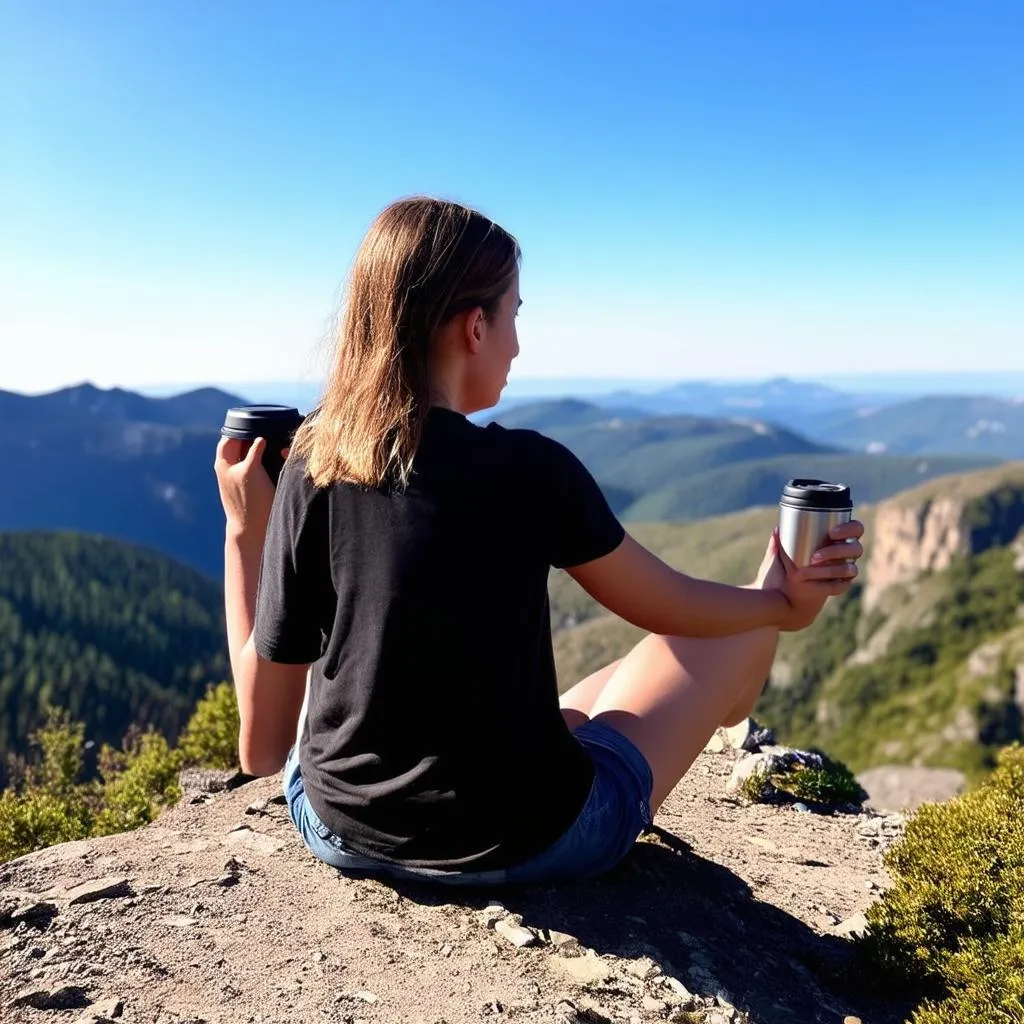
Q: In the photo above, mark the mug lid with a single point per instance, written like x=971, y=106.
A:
x=813, y=494
x=249, y=421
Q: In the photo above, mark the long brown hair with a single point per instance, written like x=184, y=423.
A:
x=422, y=262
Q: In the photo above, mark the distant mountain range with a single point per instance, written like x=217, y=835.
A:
x=118, y=464
x=899, y=414
x=687, y=467
x=124, y=465
x=871, y=423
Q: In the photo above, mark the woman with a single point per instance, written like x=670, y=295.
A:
x=405, y=558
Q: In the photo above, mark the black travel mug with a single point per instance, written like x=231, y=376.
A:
x=276, y=423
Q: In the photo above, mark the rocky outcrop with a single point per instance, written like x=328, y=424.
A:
x=725, y=914
x=905, y=787
x=923, y=530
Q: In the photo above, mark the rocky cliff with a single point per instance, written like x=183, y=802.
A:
x=726, y=914
x=923, y=529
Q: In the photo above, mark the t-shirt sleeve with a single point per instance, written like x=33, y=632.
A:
x=582, y=526
x=287, y=627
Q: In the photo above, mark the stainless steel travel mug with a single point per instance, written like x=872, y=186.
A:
x=808, y=509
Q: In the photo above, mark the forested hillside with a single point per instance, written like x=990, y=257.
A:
x=111, y=632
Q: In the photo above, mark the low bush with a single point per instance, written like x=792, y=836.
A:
x=138, y=783
x=211, y=737
x=952, y=923
x=811, y=777
x=52, y=804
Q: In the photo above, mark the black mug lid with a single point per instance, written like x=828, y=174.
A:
x=250, y=421
x=813, y=494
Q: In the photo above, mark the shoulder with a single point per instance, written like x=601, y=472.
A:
x=527, y=443
x=296, y=490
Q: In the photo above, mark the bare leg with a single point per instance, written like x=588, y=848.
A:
x=745, y=705
x=577, y=702
x=669, y=694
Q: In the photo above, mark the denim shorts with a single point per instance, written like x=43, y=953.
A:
x=617, y=810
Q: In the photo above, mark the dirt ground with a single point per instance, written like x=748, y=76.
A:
x=216, y=913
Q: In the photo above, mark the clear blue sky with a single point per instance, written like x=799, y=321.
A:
x=713, y=188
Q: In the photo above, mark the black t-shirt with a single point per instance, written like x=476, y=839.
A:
x=433, y=736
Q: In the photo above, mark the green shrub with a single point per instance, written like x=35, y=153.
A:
x=952, y=923
x=757, y=787
x=51, y=806
x=137, y=783
x=34, y=819
x=831, y=784
x=986, y=981
x=211, y=737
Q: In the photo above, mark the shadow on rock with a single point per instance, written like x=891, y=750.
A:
x=702, y=924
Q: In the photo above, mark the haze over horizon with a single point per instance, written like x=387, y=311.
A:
x=720, y=191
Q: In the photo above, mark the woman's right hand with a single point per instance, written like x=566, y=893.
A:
x=246, y=492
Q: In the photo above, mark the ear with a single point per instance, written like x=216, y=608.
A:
x=476, y=323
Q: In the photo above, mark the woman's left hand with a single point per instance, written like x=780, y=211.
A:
x=841, y=550
x=246, y=491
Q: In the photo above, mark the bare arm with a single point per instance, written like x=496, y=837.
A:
x=640, y=588
x=269, y=695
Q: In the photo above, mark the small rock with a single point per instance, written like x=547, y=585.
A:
x=179, y=921
x=716, y=744
x=744, y=768
x=737, y=736
x=359, y=996
x=257, y=842
x=642, y=968
x=66, y=997
x=678, y=987
x=585, y=970
x=491, y=913
x=852, y=926
x=258, y=807
x=104, y=1010
x=98, y=889
x=562, y=941
x=762, y=842
x=801, y=807
x=28, y=911
x=515, y=933
x=851, y=1020
x=231, y=875
x=566, y=1012
x=652, y=1005
x=716, y=1018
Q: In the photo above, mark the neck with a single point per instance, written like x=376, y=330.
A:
x=446, y=388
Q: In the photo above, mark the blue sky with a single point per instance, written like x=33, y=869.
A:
x=716, y=188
